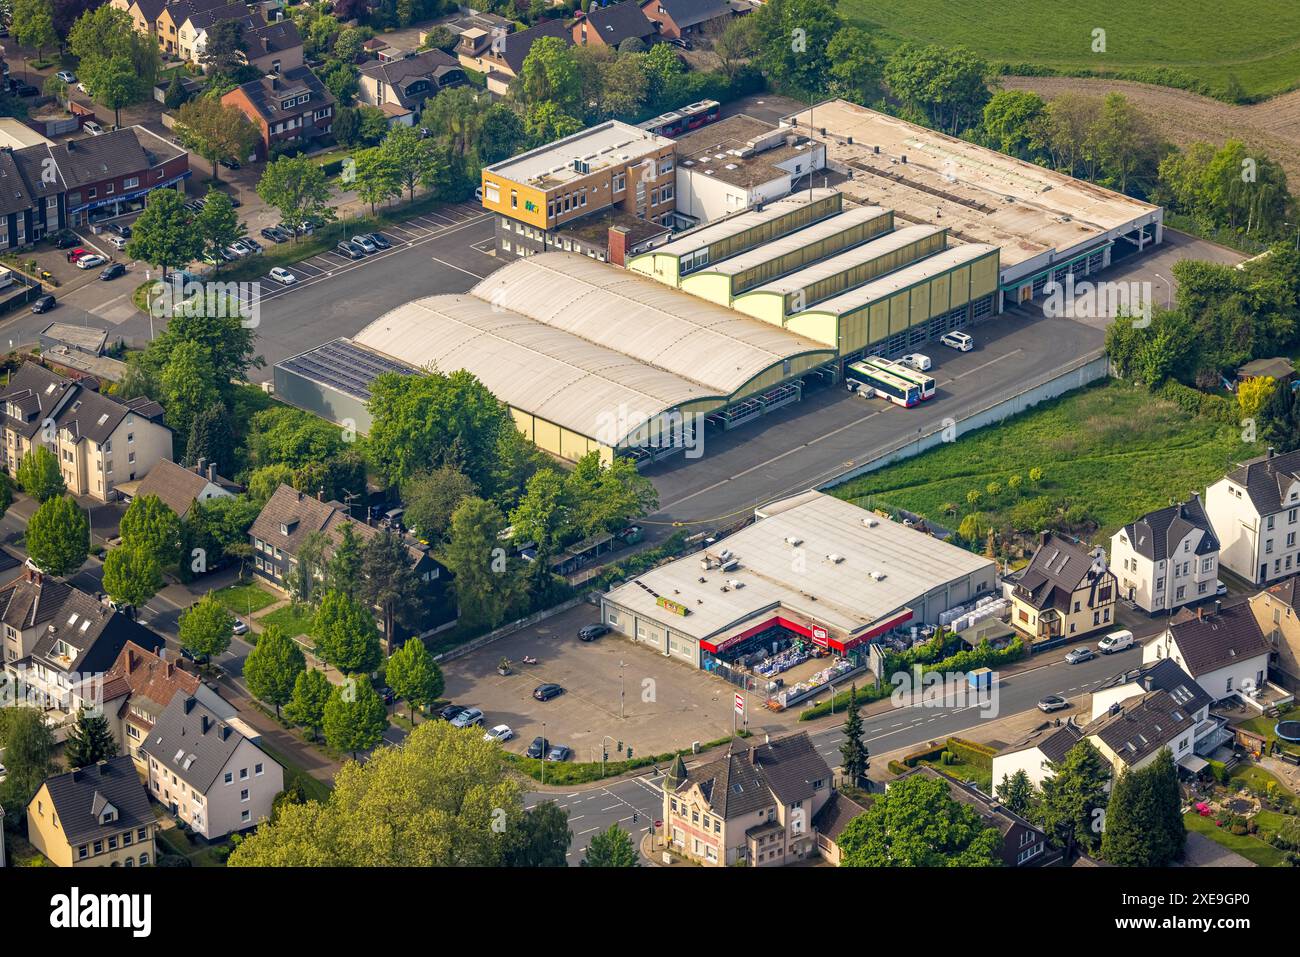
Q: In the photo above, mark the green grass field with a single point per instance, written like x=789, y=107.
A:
x=1257, y=42
x=242, y=598
x=292, y=622
x=1112, y=449
x=1249, y=847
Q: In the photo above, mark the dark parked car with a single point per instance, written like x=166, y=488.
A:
x=121, y=229
x=387, y=694
x=66, y=240
x=350, y=250
x=379, y=239
x=592, y=632
x=1053, y=702
x=43, y=304
x=276, y=234
x=25, y=89
x=229, y=163
x=451, y=711
x=559, y=753
x=547, y=691
x=112, y=271
x=538, y=748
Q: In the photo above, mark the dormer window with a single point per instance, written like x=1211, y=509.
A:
x=109, y=816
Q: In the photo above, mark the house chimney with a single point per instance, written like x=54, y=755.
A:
x=130, y=661
x=1200, y=614
x=1218, y=605
x=225, y=732
x=1270, y=451
x=212, y=471
x=189, y=704
x=76, y=774
x=198, y=469
x=204, y=723
x=103, y=769
x=171, y=668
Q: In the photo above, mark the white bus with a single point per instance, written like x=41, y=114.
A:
x=901, y=369
x=885, y=384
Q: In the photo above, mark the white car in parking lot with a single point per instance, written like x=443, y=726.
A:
x=501, y=732
x=958, y=340
x=919, y=362
x=283, y=276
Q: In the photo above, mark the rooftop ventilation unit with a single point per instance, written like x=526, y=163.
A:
x=793, y=540
x=735, y=583
x=834, y=559
x=878, y=576
x=870, y=521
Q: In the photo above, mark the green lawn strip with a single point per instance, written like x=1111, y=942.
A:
x=314, y=788
x=1264, y=725
x=239, y=599
x=1260, y=52
x=983, y=777
x=1113, y=449
x=585, y=772
x=291, y=621
x=1251, y=848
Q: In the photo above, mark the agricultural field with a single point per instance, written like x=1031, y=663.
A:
x=1111, y=451
x=1255, y=44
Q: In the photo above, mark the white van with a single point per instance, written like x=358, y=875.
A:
x=958, y=340
x=918, y=361
x=1115, y=641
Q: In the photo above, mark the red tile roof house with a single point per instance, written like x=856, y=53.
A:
x=291, y=107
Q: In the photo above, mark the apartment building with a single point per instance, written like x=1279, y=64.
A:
x=754, y=805
x=611, y=167
x=292, y=106
x=98, y=440
x=1277, y=612
x=56, y=637
x=208, y=770
x=1167, y=558
x=1255, y=512
x=1224, y=650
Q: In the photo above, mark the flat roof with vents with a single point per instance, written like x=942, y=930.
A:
x=612, y=143
x=843, y=549
x=1036, y=216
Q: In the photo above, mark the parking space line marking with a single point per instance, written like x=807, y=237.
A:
x=454, y=266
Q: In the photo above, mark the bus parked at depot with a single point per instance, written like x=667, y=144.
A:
x=869, y=380
x=904, y=371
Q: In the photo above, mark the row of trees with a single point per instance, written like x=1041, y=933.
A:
x=444, y=798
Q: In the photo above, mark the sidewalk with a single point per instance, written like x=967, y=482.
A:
x=306, y=757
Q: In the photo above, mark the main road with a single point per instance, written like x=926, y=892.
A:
x=635, y=803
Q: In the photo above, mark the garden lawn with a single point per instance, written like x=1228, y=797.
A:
x=1251, y=848
x=1264, y=725
x=983, y=777
x=240, y=599
x=291, y=621
x=1114, y=450
x=1259, y=47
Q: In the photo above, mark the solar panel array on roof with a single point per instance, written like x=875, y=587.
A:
x=344, y=366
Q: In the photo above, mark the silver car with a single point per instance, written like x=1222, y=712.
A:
x=467, y=719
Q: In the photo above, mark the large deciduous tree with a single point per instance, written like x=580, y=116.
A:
x=216, y=131
x=273, y=666
x=297, y=188
x=58, y=536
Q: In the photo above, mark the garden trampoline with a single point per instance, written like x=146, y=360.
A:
x=1287, y=730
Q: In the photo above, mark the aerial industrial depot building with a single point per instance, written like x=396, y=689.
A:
x=811, y=565
x=730, y=320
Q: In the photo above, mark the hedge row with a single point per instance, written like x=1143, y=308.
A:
x=585, y=772
x=971, y=752
x=1195, y=402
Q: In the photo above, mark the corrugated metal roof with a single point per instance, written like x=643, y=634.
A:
x=824, y=269
x=547, y=371
x=655, y=324
x=902, y=278
x=777, y=248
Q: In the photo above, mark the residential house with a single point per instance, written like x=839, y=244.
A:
x=98, y=440
x=501, y=55
x=1066, y=591
x=1167, y=558
x=473, y=24
x=274, y=48
x=208, y=770
x=1224, y=650
x=1166, y=675
x=678, y=19
x=11, y=567
x=831, y=821
x=756, y=804
x=144, y=13
x=291, y=107
x=170, y=19
x=1023, y=844
x=178, y=487
x=407, y=82
x=1035, y=753
x=56, y=637
x=1255, y=511
x=192, y=35
x=609, y=26
x=290, y=517
x=98, y=816
x=1277, y=612
x=1132, y=733
x=138, y=688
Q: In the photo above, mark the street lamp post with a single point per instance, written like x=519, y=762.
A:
x=1169, y=290
x=545, y=746
x=620, y=689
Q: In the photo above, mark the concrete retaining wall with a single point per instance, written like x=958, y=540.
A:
x=1084, y=371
